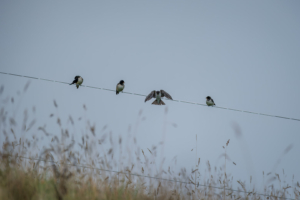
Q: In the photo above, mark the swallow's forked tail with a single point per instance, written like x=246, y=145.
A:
x=117, y=92
x=77, y=86
x=160, y=102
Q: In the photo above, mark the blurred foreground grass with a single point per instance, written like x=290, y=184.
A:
x=65, y=168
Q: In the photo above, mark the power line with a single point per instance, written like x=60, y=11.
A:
x=152, y=177
x=131, y=93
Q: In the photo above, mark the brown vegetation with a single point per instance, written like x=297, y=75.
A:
x=68, y=169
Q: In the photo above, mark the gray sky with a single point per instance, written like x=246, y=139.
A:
x=245, y=54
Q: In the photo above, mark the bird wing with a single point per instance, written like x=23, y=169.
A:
x=150, y=96
x=165, y=94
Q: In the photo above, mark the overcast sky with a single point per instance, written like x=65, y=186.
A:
x=244, y=54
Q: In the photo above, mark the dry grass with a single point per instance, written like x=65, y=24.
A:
x=57, y=172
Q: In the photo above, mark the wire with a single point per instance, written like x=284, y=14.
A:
x=179, y=101
x=164, y=179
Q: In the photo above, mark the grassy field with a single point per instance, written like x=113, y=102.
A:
x=69, y=169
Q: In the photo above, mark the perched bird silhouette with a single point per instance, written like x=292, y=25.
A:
x=120, y=87
x=210, y=101
x=78, y=80
x=158, y=95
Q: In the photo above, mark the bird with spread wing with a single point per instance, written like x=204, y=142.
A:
x=158, y=95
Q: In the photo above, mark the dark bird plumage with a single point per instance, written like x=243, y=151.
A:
x=78, y=81
x=210, y=101
x=158, y=95
x=120, y=87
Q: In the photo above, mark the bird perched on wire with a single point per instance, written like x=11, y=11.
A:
x=120, y=87
x=158, y=95
x=78, y=80
x=210, y=101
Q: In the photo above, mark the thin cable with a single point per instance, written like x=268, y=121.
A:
x=179, y=101
x=164, y=179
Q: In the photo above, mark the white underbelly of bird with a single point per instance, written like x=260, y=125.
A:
x=80, y=80
x=158, y=98
x=120, y=87
x=210, y=103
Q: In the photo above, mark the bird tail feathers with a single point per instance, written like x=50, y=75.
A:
x=158, y=103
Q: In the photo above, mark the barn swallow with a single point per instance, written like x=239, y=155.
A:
x=158, y=95
x=210, y=101
x=78, y=80
x=120, y=87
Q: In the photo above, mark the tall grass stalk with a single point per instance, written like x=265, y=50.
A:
x=101, y=167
